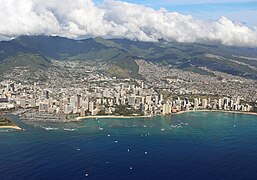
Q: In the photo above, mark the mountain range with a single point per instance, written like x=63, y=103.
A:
x=36, y=52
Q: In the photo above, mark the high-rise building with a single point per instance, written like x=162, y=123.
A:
x=231, y=103
x=215, y=104
x=225, y=101
x=74, y=101
x=156, y=100
x=196, y=103
x=238, y=100
x=43, y=106
x=166, y=109
x=106, y=93
x=204, y=103
x=117, y=100
x=67, y=109
x=46, y=94
x=32, y=102
x=131, y=100
x=23, y=103
x=161, y=98
x=148, y=99
x=91, y=106
x=84, y=104
x=82, y=112
x=220, y=104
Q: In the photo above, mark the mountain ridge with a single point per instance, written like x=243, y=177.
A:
x=122, y=53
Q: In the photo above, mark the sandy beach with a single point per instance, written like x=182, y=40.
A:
x=180, y=112
x=11, y=127
x=112, y=117
x=234, y=112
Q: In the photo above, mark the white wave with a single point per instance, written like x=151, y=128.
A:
x=68, y=129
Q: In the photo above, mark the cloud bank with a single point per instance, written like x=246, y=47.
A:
x=116, y=19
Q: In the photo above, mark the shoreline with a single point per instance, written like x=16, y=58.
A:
x=111, y=117
x=11, y=127
x=80, y=118
x=177, y=113
x=223, y=111
x=180, y=112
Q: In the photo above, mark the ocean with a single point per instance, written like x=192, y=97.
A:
x=194, y=145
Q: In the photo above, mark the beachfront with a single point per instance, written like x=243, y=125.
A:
x=110, y=117
x=180, y=112
x=11, y=127
x=205, y=110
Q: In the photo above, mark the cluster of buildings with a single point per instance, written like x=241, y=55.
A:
x=134, y=97
x=177, y=81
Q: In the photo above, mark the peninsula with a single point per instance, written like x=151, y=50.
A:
x=5, y=123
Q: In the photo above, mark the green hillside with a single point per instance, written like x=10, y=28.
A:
x=36, y=51
x=31, y=62
x=14, y=55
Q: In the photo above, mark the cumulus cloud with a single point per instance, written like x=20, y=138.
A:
x=83, y=18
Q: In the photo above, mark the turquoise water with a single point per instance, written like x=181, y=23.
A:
x=197, y=145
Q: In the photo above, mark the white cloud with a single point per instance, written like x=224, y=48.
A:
x=82, y=18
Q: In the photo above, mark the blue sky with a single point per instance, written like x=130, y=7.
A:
x=237, y=10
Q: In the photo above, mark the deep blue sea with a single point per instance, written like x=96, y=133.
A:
x=195, y=145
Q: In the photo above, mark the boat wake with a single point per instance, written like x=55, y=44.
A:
x=49, y=128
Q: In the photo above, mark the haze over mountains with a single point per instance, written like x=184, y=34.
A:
x=36, y=52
